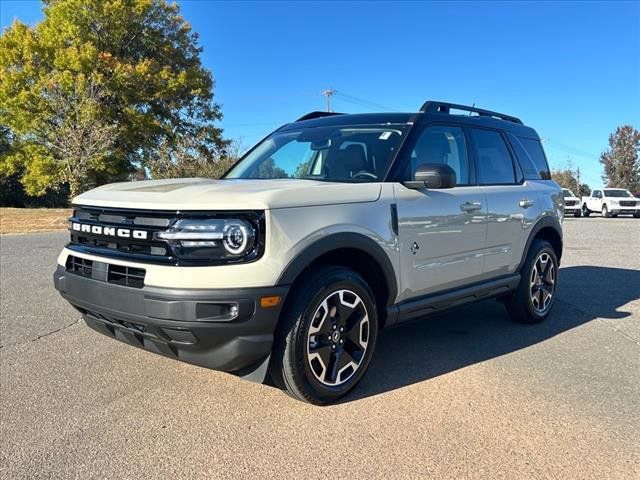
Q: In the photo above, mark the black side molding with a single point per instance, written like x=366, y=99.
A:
x=394, y=218
x=438, y=302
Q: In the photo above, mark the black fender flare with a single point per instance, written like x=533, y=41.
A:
x=545, y=222
x=337, y=241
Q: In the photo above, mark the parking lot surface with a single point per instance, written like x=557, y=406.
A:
x=465, y=394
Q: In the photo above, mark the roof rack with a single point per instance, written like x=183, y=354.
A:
x=312, y=115
x=432, y=106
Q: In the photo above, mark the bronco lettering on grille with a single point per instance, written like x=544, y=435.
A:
x=110, y=231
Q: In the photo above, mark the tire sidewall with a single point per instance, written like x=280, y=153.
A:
x=338, y=279
x=539, y=248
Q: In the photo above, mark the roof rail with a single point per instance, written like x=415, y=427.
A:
x=312, y=115
x=432, y=106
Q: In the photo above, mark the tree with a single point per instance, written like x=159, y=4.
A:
x=136, y=66
x=68, y=143
x=186, y=158
x=269, y=169
x=620, y=161
x=569, y=177
x=566, y=178
x=584, y=190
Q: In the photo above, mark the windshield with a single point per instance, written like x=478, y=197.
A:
x=336, y=154
x=567, y=192
x=617, y=193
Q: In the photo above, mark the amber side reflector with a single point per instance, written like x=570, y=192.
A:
x=268, y=302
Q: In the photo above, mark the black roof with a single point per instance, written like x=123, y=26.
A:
x=431, y=111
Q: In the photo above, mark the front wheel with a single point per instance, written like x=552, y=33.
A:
x=326, y=336
x=535, y=295
x=605, y=212
x=636, y=214
x=577, y=213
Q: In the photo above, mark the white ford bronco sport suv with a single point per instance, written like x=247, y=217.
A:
x=329, y=229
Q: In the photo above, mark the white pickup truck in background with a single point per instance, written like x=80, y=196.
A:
x=572, y=204
x=611, y=202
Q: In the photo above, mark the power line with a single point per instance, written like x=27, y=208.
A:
x=362, y=102
x=569, y=149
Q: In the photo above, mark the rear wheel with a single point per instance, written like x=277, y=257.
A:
x=605, y=212
x=535, y=295
x=585, y=211
x=577, y=213
x=326, y=336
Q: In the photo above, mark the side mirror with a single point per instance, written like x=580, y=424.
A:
x=432, y=175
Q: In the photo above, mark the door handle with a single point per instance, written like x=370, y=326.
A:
x=470, y=206
x=526, y=203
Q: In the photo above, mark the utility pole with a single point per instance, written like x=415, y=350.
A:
x=329, y=92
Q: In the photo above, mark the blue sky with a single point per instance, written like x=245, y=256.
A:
x=570, y=70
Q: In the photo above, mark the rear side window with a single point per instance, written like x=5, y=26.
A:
x=536, y=154
x=495, y=166
x=524, y=159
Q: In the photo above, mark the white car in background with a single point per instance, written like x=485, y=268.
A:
x=611, y=202
x=571, y=203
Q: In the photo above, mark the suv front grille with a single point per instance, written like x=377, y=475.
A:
x=627, y=203
x=570, y=203
x=142, y=249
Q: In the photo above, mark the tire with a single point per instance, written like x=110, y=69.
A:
x=329, y=300
x=521, y=305
x=636, y=214
x=605, y=212
x=577, y=213
x=585, y=211
x=614, y=215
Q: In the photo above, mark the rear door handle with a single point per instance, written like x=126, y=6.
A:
x=470, y=206
x=526, y=203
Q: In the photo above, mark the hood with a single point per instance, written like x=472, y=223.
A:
x=206, y=194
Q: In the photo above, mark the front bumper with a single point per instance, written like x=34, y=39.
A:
x=621, y=210
x=185, y=325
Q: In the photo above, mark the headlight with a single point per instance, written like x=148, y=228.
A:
x=212, y=239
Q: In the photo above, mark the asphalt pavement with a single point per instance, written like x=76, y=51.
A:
x=465, y=394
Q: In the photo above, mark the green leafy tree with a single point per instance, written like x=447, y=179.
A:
x=134, y=69
x=621, y=161
x=186, y=158
x=566, y=178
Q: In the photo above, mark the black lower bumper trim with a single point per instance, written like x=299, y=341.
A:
x=195, y=326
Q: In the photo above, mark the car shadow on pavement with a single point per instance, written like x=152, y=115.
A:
x=446, y=342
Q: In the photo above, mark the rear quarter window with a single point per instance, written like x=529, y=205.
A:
x=533, y=156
